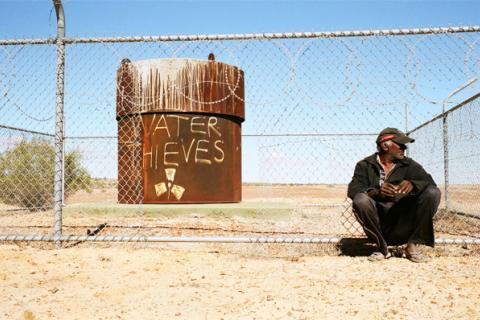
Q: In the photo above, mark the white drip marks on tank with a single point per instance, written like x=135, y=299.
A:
x=178, y=84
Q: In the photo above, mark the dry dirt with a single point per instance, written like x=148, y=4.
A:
x=231, y=281
x=316, y=211
x=210, y=282
x=463, y=196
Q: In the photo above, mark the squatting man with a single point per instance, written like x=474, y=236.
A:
x=394, y=198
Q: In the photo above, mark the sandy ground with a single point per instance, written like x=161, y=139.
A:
x=318, y=211
x=232, y=281
x=200, y=281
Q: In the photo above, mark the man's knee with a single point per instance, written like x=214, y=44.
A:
x=362, y=201
x=431, y=194
x=429, y=200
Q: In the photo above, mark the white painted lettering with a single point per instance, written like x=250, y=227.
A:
x=148, y=154
x=218, y=148
x=186, y=154
x=179, y=117
x=212, y=121
x=198, y=150
x=167, y=153
x=194, y=123
x=163, y=127
x=144, y=125
x=156, y=156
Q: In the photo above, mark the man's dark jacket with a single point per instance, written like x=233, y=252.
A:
x=367, y=176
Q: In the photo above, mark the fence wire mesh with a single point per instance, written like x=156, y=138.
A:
x=313, y=108
x=460, y=211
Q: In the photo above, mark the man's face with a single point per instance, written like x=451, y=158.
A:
x=397, y=151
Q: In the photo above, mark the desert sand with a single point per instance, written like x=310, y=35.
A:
x=207, y=281
x=98, y=280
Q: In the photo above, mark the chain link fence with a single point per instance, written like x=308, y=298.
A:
x=456, y=172
x=314, y=103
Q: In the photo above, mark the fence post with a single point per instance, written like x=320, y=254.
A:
x=445, y=138
x=406, y=124
x=59, y=134
x=445, y=157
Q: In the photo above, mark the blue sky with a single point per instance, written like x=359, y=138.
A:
x=33, y=19
x=36, y=19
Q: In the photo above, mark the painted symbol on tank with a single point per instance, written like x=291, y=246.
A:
x=169, y=187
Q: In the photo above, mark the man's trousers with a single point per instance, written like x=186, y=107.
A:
x=410, y=220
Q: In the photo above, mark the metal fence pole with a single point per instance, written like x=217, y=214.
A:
x=305, y=125
x=59, y=134
x=445, y=138
x=406, y=124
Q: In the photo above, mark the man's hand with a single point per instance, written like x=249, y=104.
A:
x=388, y=190
x=405, y=187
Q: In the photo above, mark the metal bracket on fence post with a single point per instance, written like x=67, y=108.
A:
x=59, y=134
x=445, y=137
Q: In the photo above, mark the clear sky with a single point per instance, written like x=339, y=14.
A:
x=35, y=18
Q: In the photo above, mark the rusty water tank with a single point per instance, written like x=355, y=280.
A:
x=179, y=131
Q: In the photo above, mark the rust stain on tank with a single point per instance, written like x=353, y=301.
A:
x=179, y=131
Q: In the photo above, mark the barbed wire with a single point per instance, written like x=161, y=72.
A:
x=254, y=36
x=314, y=101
